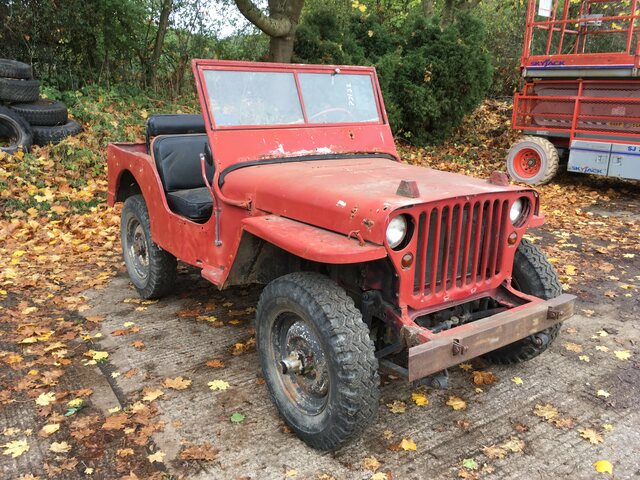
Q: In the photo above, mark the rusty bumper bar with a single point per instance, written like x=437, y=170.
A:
x=473, y=339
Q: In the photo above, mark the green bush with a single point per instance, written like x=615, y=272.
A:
x=431, y=76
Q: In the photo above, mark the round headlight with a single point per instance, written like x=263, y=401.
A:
x=517, y=211
x=396, y=231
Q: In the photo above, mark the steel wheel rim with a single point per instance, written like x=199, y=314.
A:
x=137, y=248
x=308, y=390
x=527, y=163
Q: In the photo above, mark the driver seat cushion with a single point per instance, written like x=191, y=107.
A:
x=177, y=159
x=194, y=203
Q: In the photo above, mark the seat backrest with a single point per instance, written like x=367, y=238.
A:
x=177, y=158
x=174, y=124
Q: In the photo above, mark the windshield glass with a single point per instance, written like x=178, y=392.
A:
x=249, y=98
x=335, y=98
x=253, y=98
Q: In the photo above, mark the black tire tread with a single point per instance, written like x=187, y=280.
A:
x=42, y=113
x=47, y=135
x=543, y=283
x=14, y=90
x=11, y=124
x=354, y=354
x=162, y=265
x=14, y=69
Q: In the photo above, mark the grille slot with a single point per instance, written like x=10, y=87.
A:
x=459, y=245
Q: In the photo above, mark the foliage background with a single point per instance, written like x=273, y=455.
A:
x=436, y=59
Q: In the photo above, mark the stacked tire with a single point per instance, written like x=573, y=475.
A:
x=25, y=118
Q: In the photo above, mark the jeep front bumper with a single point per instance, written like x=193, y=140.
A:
x=470, y=340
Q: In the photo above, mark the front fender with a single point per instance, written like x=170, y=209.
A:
x=312, y=243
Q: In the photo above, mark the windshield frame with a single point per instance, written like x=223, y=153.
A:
x=294, y=69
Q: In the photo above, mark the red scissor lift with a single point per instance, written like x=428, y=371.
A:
x=581, y=98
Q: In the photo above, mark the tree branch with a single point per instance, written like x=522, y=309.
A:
x=274, y=27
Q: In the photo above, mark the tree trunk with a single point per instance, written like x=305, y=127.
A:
x=280, y=24
x=427, y=8
x=163, y=25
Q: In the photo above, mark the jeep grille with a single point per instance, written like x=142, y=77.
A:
x=461, y=237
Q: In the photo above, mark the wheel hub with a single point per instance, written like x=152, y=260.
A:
x=302, y=364
x=527, y=163
x=137, y=248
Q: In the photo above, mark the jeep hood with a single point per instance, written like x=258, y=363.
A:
x=346, y=195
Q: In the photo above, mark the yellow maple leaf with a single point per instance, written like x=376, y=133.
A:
x=60, y=447
x=420, y=399
x=456, y=403
x=218, y=385
x=546, y=411
x=156, y=457
x=591, y=435
x=371, y=463
x=177, y=383
x=584, y=358
x=45, y=399
x=397, y=406
x=378, y=476
x=408, y=444
x=49, y=429
x=76, y=402
x=15, y=448
x=603, y=393
x=517, y=380
x=151, y=395
x=603, y=466
x=622, y=354
x=465, y=366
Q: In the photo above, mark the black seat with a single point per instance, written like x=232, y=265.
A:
x=178, y=124
x=177, y=159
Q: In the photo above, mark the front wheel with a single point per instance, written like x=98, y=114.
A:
x=317, y=358
x=534, y=275
x=151, y=270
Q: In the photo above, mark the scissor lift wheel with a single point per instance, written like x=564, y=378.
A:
x=533, y=160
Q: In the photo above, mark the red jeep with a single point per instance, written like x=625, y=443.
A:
x=291, y=178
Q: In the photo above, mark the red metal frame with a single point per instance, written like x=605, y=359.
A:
x=553, y=56
x=590, y=110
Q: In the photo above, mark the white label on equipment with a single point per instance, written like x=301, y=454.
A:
x=544, y=9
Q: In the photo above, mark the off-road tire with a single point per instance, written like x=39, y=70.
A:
x=13, y=90
x=533, y=275
x=42, y=113
x=547, y=153
x=47, y=135
x=161, y=271
x=15, y=128
x=14, y=69
x=353, y=393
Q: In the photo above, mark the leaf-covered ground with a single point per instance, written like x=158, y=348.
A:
x=58, y=239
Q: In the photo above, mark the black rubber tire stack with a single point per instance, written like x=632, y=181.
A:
x=25, y=118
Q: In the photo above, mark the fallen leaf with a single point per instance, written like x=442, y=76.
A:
x=546, y=411
x=456, y=403
x=218, y=385
x=215, y=364
x=622, y=354
x=603, y=466
x=514, y=445
x=563, y=422
x=602, y=348
x=608, y=427
x=138, y=345
x=237, y=417
x=584, y=358
x=88, y=471
x=408, y=444
x=420, y=399
x=115, y=422
x=49, y=429
x=177, y=383
x=591, y=435
x=15, y=448
x=483, y=378
x=291, y=473
x=573, y=347
x=199, y=452
x=60, y=447
x=45, y=399
x=376, y=476
x=517, y=380
x=603, y=393
x=149, y=395
x=470, y=463
x=397, y=406
x=465, y=366
x=493, y=452
x=156, y=457
x=371, y=463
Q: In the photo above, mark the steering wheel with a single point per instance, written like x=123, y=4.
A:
x=331, y=110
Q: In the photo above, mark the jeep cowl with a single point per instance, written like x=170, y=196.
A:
x=290, y=178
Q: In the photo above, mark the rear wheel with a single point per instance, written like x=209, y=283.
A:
x=151, y=270
x=533, y=275
x=533, y=160
x=317, y=358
